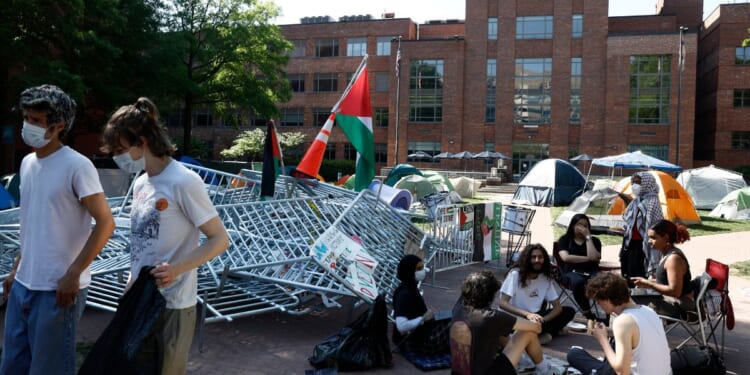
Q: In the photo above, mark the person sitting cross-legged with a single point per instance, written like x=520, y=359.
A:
x=477, y=331
x=529, y=289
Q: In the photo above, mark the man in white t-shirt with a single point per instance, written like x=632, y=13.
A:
x=60, y=194
x=529, y=289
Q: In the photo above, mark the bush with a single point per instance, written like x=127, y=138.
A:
x=329, y=169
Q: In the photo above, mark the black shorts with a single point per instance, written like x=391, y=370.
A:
x=502, y=365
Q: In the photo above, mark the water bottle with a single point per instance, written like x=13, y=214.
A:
x=593, y=372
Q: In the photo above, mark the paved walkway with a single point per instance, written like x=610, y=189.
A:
x=280, y=343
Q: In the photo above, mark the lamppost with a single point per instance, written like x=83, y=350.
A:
x=398, y=96
x=681, y=66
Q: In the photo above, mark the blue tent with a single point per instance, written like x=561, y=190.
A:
x=6, y=200
x=551, y=182
x=400, y=171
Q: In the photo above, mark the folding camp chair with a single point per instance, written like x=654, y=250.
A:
x=696, y=322
x=566, y=294
x=722, y=312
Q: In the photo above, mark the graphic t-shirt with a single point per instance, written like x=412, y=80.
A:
x=167, y=210
x=530, y=297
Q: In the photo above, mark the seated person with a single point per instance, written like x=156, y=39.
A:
x=672, y=273
x=580, y=253
x=527, y=289
x=416, y=329
x=640, y=341
x=477, y=330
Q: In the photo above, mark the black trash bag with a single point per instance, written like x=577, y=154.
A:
x=361, y=345
x=116, y=350
x=696, y=360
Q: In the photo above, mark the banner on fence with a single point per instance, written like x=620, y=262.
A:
x=344, y=257
x=487, y=231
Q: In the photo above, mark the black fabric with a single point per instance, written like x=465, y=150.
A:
x=407, y=301
x=632, y=261
x=663, y=278
x=694, y=360
x=568, y=243
x=361, y=345
x=115, y=351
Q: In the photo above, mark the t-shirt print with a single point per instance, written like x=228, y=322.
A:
x=145, y=231
x=534, y=293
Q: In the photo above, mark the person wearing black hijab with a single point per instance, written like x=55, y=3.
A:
x=416, y=329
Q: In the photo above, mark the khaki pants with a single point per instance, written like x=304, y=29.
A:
x=171, y=339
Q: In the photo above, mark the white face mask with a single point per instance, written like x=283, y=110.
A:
x=126, y=162
x=636, y=188
x=419, y=275
x=33, y=135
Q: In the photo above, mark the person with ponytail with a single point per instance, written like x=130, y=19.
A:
x=672, y=278
x=416, y=329
x=170, y=210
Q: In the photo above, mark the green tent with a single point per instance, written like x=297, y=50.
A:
x=349, y=183
x=418, y=186
x=400, y=171
x=438, y=180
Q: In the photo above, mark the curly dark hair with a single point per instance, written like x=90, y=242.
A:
x=608, y=286
x=525, y=268
x=677, y=232
x=479, y=289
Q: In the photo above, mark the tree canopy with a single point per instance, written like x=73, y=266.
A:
x=249, y=144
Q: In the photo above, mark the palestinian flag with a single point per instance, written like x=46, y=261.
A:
x=271, y=162
x=354, y=116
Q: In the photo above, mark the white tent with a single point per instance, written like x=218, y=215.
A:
x=708, y=185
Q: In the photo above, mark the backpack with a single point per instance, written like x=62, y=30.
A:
x=696, y=360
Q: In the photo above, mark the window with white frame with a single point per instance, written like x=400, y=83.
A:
x=356, y=46
x=534, y=27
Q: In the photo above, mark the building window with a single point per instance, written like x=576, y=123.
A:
x=381, y=82
x=649, y=89
x=232, y=118
x=384, y=45
x=325, y=82
x=255, y=120
x=742, y=98
x=381, y=117
x=426, y=90
x=742, y=56
x=534, y=27
x=326, y=48
x=202, y=118
x=175, y=119
x=740, y=140
x=492, y=28
x=575, y=89
x=657, y=151
x=490, y=94
x=292, y=117
x=533, y=89
x=350, y=153
x=381, y=153
x=356, y=46
x=320, y=115
x=577, y=26
x=330, y=152
x=299, y=48
x=431, y=148
x=297, y=82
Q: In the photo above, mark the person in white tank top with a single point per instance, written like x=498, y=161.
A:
x=641, y=342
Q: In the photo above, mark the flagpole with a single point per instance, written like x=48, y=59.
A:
x=278, y=145
x=398, y=97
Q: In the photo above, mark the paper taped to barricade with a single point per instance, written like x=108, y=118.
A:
x=346, y=259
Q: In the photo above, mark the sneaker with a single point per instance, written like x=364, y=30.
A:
x=545, y=338
x=543, y=368
x=564, y=331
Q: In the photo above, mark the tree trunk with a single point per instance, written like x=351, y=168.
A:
x=187, y=124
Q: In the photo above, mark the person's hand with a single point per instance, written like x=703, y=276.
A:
x=164, y=274
x=640, y=282
x=429, y=315
x=7, y=284
x=599, y=331
x=67, y=289
x=536, y=318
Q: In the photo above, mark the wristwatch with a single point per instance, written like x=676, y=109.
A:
x=588, y=238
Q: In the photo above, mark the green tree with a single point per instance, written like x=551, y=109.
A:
x=229, y=56
x=249, y=144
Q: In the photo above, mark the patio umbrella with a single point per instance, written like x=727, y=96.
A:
x=491, y=155
x=443, y=155
x=582, y=157
x=420, y=155
x=462, y=155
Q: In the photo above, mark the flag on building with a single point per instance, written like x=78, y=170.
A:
x=354, y=116
x=398, y=58
x=272, y=162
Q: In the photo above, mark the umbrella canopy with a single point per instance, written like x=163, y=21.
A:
x=443, y=155
x=463, y=155
x=491, y=155
x=582, y=157
x=420, y=155
x=635, y=160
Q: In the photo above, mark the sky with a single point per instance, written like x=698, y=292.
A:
x=425, y=10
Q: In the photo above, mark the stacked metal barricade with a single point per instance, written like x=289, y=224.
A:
x=268, y=265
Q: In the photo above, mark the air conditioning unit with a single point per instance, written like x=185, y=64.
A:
x=493, y=172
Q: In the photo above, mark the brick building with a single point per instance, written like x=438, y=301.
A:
x=533, y=79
